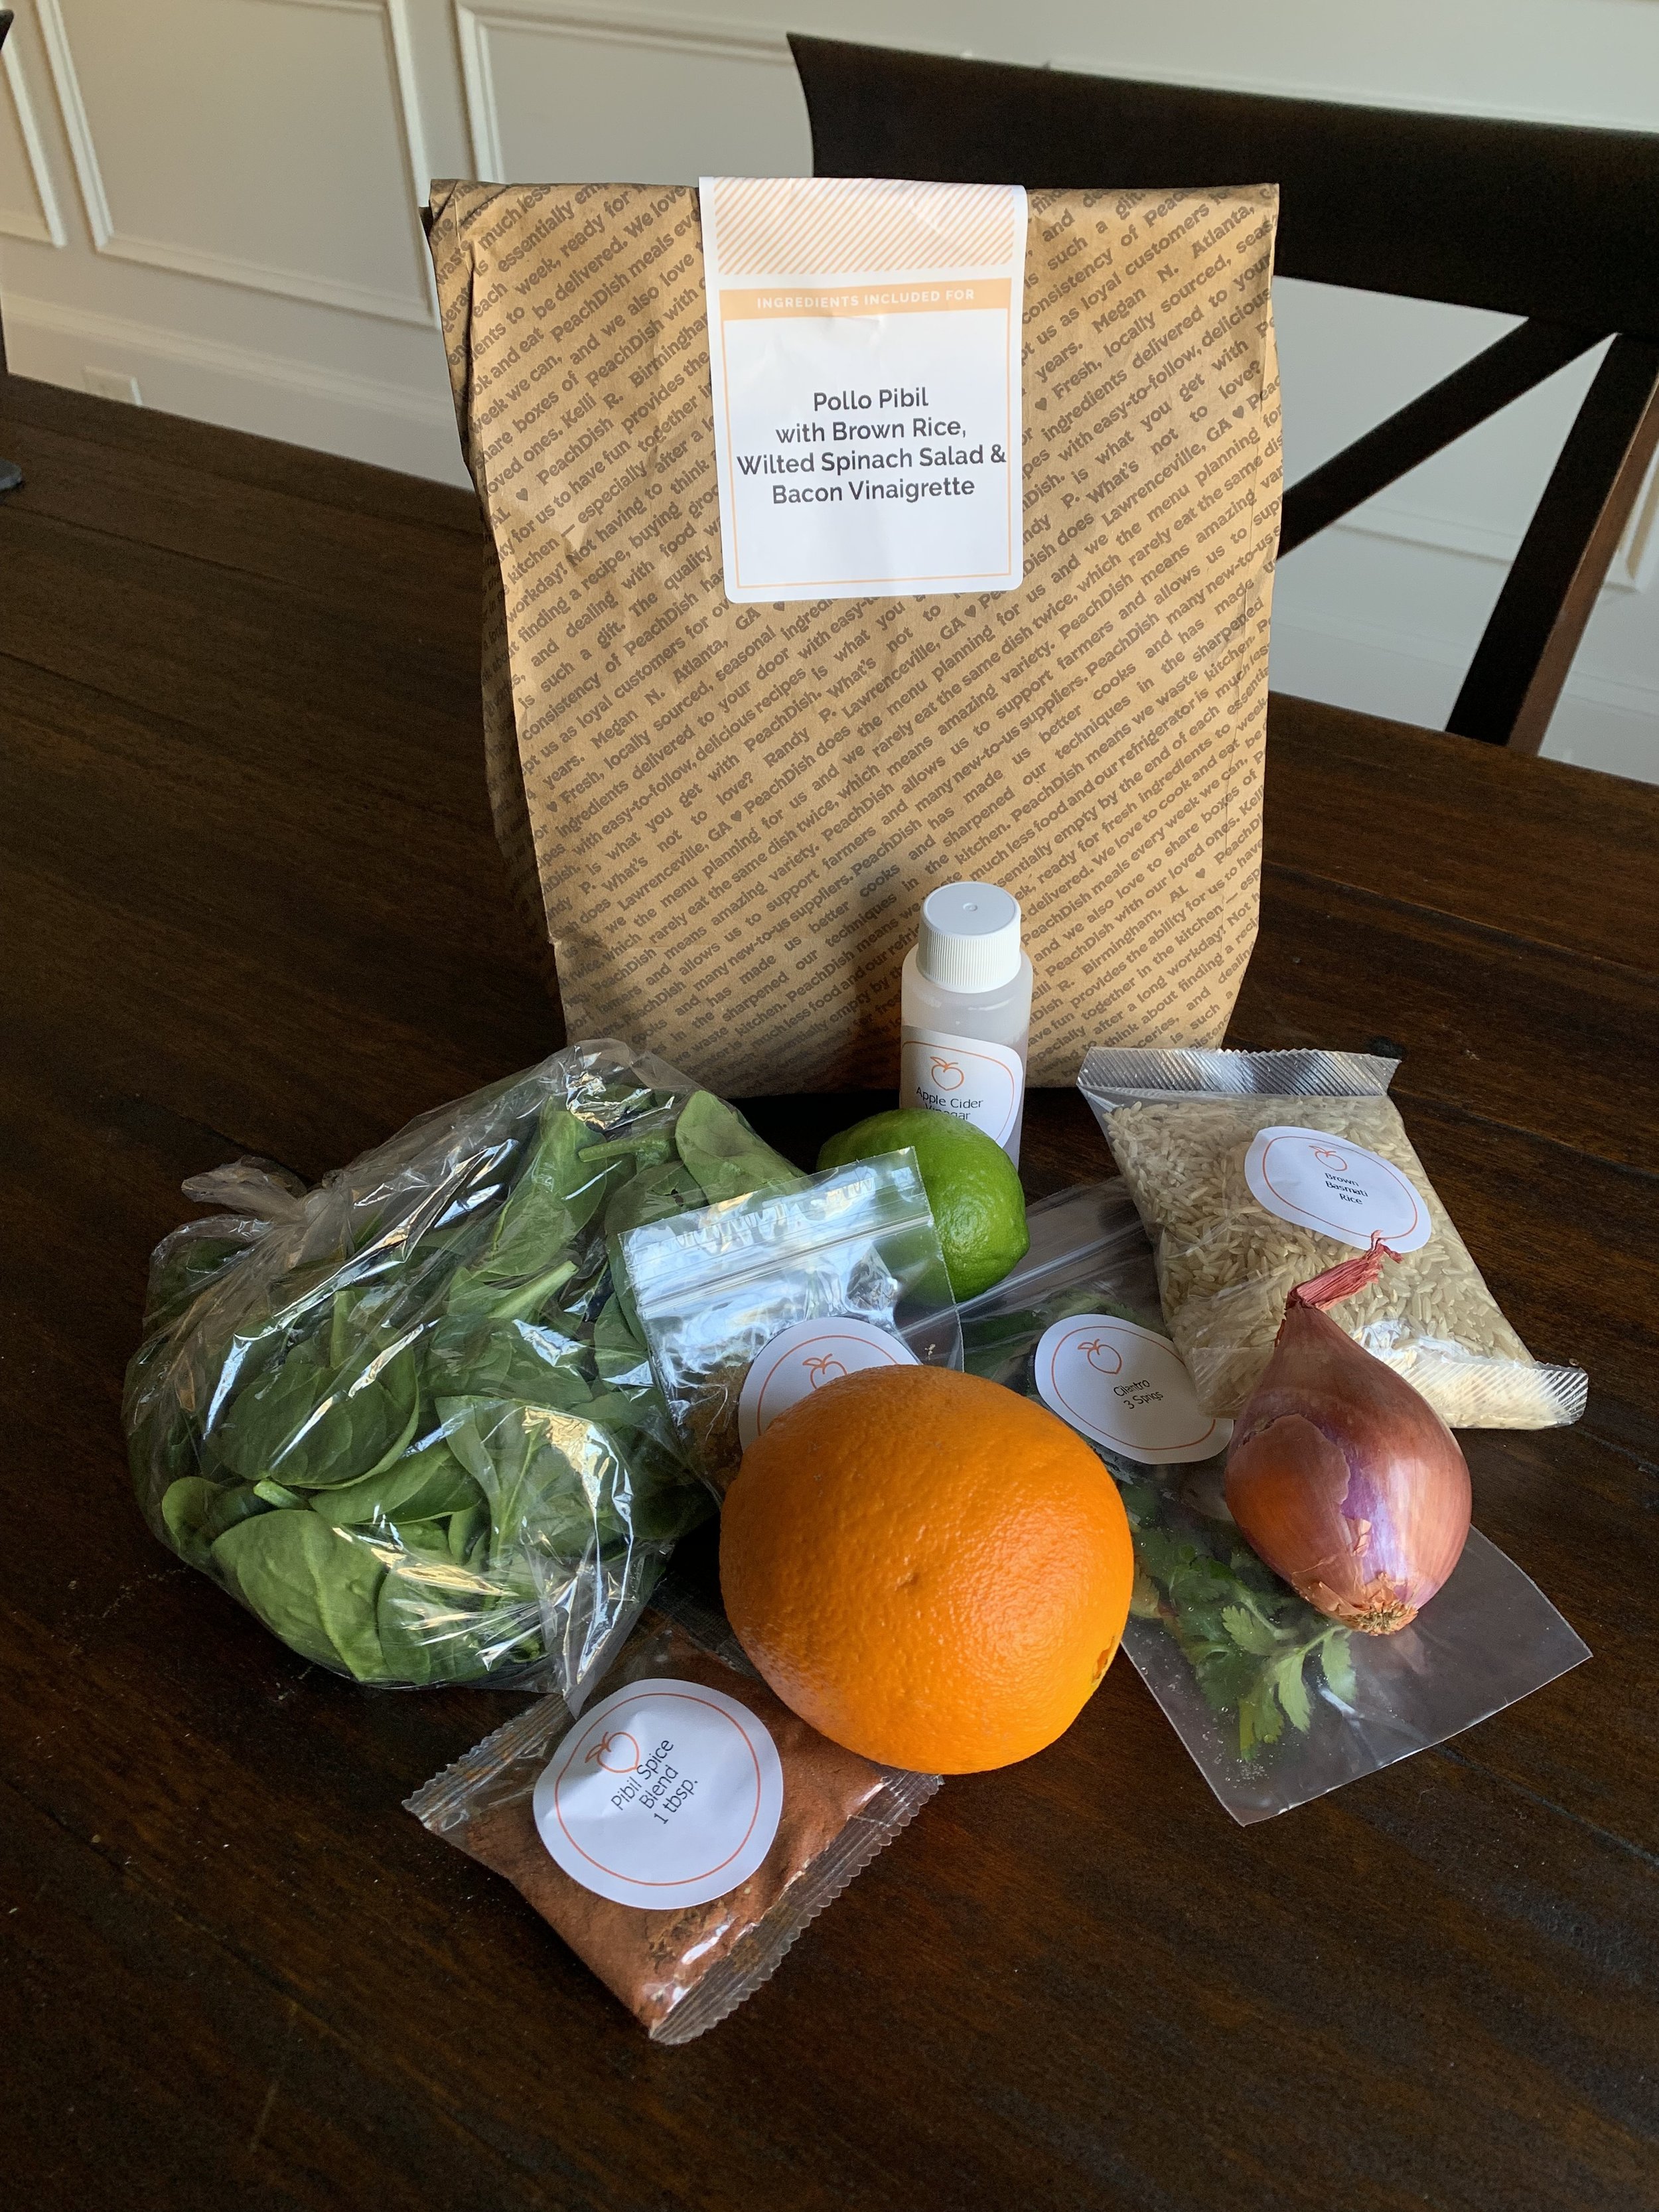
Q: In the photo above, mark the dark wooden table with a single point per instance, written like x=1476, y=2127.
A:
x=254, y=905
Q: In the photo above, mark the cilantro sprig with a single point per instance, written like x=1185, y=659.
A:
x=1249, y=1639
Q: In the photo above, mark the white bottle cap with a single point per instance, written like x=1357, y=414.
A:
x=968, y=939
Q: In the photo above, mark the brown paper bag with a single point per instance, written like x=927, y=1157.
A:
x=724, y=818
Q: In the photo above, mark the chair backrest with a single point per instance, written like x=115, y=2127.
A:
x=13, y=480
x=1560, y=225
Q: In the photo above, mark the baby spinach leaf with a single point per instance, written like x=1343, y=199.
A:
x=312, y=1425
x=668, y=1501
x=624, y=1410
x=549, y=1479
x=724, y=1153
x=183, y=1264
x=437, y=1624
x=618, y=1354
x=185, y=1506
x=555, y=1194
x=478, y=1291
x=161, y=1439
x=346, y=1300
x=238, y=1502
x=314, y=1587
x=466, y=1528
x=640, y=1152
x=196, y=1512
x=652, y=1196
x=422, y=1486
x=475, y=1355
x=411, y=1540
x=274, y=1493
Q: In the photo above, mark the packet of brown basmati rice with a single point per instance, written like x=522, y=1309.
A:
x=1254, y=1171
x=682, y=1831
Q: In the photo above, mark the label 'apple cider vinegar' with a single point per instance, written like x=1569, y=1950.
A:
x=966, y=1014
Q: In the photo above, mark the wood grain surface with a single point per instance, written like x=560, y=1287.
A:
x=254, y=904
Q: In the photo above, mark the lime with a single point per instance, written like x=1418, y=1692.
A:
x=972, y=1185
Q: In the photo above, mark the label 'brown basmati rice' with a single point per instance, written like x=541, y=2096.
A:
x=1181, y=1124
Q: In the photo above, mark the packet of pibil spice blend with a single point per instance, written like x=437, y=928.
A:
x=1276, y=1703
x=765, y=1299
x=680, y=1834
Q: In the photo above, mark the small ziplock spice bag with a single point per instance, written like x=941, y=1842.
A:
x=754, y=1305
x=681, y=1834
x=403, y=1417
x=1254, y=1172
x=1276, y=1703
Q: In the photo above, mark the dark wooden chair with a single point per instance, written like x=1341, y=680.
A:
x=1559, y=225
x=10, y=475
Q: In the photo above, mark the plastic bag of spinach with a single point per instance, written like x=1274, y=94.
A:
x=405, y=1417
x=1275, y=1703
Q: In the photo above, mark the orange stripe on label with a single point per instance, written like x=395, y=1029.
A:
x=918, y=299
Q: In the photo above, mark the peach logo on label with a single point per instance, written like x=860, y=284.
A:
x=1104, y=1357
x=666, y=1794
x=1337, y=1189
x=1124, y=1387
x=616, y=1752
x=803, y=1358
x=977, y=1082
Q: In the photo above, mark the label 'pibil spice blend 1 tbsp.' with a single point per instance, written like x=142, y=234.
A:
x=680, y=1834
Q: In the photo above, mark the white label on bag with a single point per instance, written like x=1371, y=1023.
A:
x=1126, y=1388
x=977, y=1082
x=666, y=1794
x=804, y=1358
x=1337, y=1189
x=864, y=340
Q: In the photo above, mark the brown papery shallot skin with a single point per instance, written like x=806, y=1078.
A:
x=1346, y=1480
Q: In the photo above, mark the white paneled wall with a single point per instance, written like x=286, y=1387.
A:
x=214, y=199
x=563, y=94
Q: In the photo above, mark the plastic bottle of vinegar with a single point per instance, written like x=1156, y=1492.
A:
x=967, y=1011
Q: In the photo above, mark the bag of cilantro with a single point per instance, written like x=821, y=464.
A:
x=1276, y=1703
x=404, y=1417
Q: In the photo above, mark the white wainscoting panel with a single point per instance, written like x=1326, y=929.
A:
x=264, y=143
x=369, y=418
x=28, y=202
x=570, y=95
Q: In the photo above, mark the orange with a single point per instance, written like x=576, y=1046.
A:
x=930, y=1569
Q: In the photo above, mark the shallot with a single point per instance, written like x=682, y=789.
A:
x=1340, y=1475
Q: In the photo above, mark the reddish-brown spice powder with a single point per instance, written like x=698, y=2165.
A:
x=654, y=1961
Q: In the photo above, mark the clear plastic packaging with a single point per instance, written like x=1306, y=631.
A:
x=1232, y=1157
x=747, y=1306
x=682, y=1968
x=1275, y=1703
x=403, y=1416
